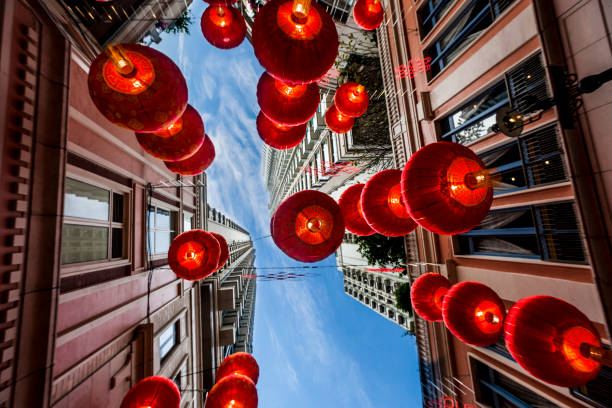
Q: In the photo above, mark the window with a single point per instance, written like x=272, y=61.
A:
x=177, y=381
x=168, y=340
x=498, y=391
x=597, y=392
x=334, y=145
x=473, y=120
x=162, y=229
x=93, y=227
x=548, y=232
x=464, y=29
x=187, y=222
x=430, y=13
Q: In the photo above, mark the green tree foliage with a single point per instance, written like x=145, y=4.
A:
x=181, y=24
x=402, y=298
x=382, y=251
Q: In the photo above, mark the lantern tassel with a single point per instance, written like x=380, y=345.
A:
x=599, y=354
x=300, y=10
x=120, y=60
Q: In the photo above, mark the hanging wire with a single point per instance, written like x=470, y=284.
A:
x=149, y=252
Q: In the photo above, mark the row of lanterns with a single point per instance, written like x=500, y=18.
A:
x=548, y=337
x=196, y=254
x=350, y=101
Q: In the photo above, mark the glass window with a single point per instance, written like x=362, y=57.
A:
x=187, y=222
x=430, y=13
x=335, y=150
x=168, y=339
x=83, y=200
x=597, y=392
x=161, y=229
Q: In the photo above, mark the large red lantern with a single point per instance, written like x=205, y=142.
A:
x=224, y=254
x=223, y=26
x=194, y=255
x=351, y=99
x=308, y=226
x=337, y=122
x=196, y=163
x=295, y=41
x=350, y=205
x=239, y=363
x=153, y=392
x=287, y=104
x=137, y=87
x=446, y=188
x=554, y=341
x=474, y=313
x=279, y=136
x=178, y=141
x=368, y=14
x=382, y=206
x=426, y=295
x=233, y=391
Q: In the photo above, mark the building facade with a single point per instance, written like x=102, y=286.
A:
x=548, y=231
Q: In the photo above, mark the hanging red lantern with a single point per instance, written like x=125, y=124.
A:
x=152, y=392
x=194, y=255
x=351, y=99
x=308, y=226
x=221, y=2
x=350, y=205
x=279, y=136
x=295, y=41
x=239, y=363
x=473, y=313
x=337, y=122
x=224, y=254
x=287, y=104
x=446, y=188
x=223, y=26
x=382, y=206
x=137, y=87
x=554, y=341
x=178, y=141
x=426, y=295
x=233, y=391
x=368, y=14
x=196, y=163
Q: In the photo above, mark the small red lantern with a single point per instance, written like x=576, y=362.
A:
x=350, y=205
x=368, y=14
x=223, y=26
x=287, y=104
x=308, y=226
x=426, y=295
x=295, y=41
x=239, y=363
x=382, y=206
x=351, y=99
x=196, y=163
x=554, y=341
x=137, y=87
x=221, y=2
x=279, y=136
x=337, y=122
x=446, y=188
x=474, y=313
x=194, y=255
x=153, y=392
x=224, y=254
x=178, y=141
x=233, y=391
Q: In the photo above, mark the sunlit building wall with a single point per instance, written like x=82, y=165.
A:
x=548, y=231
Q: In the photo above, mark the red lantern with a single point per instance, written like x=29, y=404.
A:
x=137, y=87
x=197, y=163
x=350, y=205
x=287, y=104
x=233, y=391
x=279, y=136
x=336, y=121
x=426, y=295
x=194, y=255
x=553, y=340
x=382, y=206
x=152, y=392
x=178, y=141
x=223, y=26
x=224, y=254
x=351, y=99
x=239, y=363
x=221, y=2
x=295, y=41
x=446, y=188
x=368, y=14
x=474, y=313
x=308, y=226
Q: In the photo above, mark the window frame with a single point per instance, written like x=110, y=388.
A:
x=432, y=15
x=176, y=325
x=174, y=214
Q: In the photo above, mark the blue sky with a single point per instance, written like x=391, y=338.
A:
x=316, y=346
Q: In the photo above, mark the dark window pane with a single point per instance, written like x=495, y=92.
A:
x=162, y=219
x=510, y=245
x=117, y=243
x=117, y=207
x=86, y=201
x=597, y=392
x=81, y=243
